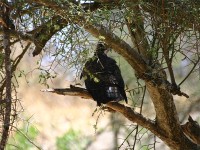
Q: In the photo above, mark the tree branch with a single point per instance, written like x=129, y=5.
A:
x=191, y=129
x=128, y=112
x=72, y=91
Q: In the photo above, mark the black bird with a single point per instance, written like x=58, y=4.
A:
x=103, y=78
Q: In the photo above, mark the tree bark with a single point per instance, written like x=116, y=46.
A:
x=8, y=98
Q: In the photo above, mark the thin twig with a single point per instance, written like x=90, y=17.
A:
x=39, y=148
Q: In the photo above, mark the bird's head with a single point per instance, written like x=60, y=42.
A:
x=102, y=47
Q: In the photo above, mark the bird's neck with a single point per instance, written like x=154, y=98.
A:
x=100, y=54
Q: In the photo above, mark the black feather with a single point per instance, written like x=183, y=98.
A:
x=103, y=78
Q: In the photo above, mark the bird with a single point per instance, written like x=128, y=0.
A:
x=102, y=77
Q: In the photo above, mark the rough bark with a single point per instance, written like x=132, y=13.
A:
x=8, y=99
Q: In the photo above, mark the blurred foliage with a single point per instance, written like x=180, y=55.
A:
x=23, y=139
x=71, y=140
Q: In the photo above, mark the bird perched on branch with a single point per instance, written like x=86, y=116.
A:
x=103, y=78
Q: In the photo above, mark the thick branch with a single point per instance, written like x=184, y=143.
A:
x=6, y=43
x=126, y=111
x=133, y=116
